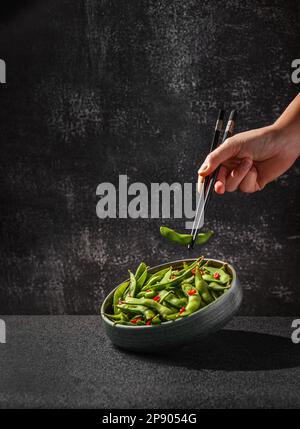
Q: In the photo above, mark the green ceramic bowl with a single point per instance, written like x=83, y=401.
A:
x=179, y=332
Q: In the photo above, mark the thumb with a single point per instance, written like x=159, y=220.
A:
x=225, y=151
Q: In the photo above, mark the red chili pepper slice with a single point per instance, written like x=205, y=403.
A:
x=173, y=277
x=148, y=290
x=156, y=298
x=193, y=271
x=192, y=292
x=149, y=322
x=216, y=276
x=134, y=321
x=182, y=310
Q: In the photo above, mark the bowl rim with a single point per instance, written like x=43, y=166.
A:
x=171, y=322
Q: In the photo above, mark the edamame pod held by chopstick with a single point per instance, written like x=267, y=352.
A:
x=185, y=239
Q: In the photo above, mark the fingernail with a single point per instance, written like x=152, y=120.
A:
x=203, y=168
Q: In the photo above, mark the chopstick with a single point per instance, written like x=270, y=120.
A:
x=217, y=133
x=228, y=133
x=213, y=177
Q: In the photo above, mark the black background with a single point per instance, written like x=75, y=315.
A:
x=101, y=88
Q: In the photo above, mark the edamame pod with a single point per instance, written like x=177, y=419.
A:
x=154, y=305
x=184, y=239
x=132, y=286
x=141, y=280
x=156, y=320
x=147, y=294
x=202, y=287
x=141, y=268
x=217, y=275
x=166, y=277
x=137, y=309
x=174, y=301
x=155, y=278
x=183, y=276
x=175, y=316
x=189, y=280
x=117, y=317
x=217, y=287
x=194, y=300
x=163, y=295
x=118, y=295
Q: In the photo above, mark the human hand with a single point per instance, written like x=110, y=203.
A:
x=252, y=159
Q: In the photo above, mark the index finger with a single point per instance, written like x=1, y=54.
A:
x=224, y=152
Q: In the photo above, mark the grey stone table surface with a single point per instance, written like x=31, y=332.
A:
x=68, y=362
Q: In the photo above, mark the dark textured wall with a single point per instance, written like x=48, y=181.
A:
x=101, y=88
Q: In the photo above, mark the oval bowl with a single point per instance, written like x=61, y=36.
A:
x=179, y=332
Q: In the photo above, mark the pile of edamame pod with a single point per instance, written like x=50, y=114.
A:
x=169, y=294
